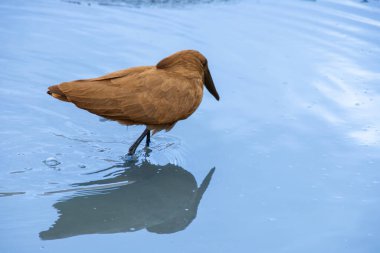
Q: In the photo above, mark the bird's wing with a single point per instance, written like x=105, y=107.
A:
x=120, y=73
x=143, y=96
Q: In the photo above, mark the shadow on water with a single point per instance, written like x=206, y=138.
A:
x=142, y=3
x=160, y=199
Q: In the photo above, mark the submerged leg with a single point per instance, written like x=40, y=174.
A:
x=148, y=138
x=134, y=146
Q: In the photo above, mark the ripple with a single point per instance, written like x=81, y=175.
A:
x=147, y=3
x=51, y=162
x=9, y=194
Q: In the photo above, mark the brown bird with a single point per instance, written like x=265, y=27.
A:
x=156, y=96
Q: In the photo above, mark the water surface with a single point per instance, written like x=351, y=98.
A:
x=287, y=160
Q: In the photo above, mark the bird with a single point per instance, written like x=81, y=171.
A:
x=156, y=96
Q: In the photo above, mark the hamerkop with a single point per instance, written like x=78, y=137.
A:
x=156, y=96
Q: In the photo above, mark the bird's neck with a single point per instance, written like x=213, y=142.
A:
x=185, y=66
x=187, y=71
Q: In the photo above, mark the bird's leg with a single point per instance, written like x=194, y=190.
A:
x=148, y=138
x=134, y=146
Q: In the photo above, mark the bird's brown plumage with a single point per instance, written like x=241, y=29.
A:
x=156, y=96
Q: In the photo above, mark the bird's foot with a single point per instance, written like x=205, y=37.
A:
x=147, y=151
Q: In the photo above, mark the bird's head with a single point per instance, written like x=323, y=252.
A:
x=190, y=62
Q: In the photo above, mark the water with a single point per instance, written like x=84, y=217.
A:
x=294, y=140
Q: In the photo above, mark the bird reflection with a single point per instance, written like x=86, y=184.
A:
x=160, y=199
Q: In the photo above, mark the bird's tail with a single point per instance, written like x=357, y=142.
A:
x=55, y=92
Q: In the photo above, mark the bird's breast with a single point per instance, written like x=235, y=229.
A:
x=178, y=100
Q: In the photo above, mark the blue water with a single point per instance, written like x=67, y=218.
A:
x=287, y=161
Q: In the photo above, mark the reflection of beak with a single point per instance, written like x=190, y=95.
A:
x=202, y=188
x=209, y=83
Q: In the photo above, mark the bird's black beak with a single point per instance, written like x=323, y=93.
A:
x=209, y=83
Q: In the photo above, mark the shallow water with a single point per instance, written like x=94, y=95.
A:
x=294, y=141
